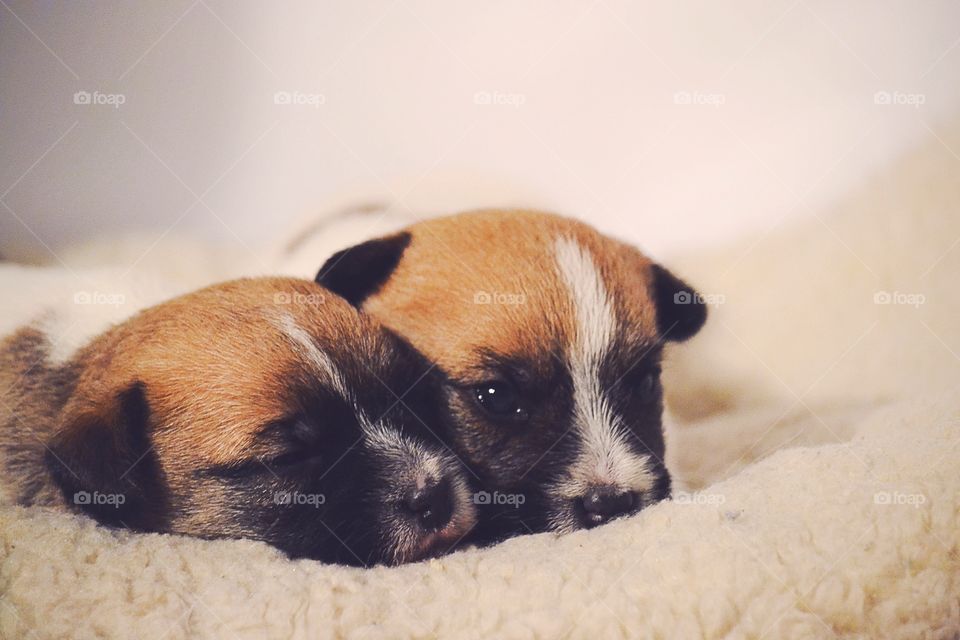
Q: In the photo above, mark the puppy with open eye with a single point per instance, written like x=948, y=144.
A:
x=267, y=409
x=551, y=337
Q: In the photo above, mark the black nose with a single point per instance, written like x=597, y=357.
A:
x=432, y=506
x=602, y=504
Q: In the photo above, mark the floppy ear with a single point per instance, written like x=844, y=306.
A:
x=359, y=271
x=102, y=461
x=680, y=309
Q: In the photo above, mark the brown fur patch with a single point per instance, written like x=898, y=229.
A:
x=211, y=395
x=497, y=299
x=214, y=374
x=221, y=414
x=488, y=281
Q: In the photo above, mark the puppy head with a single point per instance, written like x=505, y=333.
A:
x=551, y=337
x=266, y=409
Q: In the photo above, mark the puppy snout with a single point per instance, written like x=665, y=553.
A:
x=602, y=504
x=431, y=506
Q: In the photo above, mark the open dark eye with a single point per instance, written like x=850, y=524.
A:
x=500, y=399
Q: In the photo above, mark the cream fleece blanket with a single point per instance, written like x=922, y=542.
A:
x=818, y=417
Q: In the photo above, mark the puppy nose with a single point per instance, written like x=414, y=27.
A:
x=602, y=504
x=432, y=506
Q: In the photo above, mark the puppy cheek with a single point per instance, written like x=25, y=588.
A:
x=560, y=514
x=211, y=508
x=472, y=440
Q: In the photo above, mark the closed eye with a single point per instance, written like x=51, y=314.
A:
x=644, y=384
x=294, y=458
x=261, y=466
x=297, y=442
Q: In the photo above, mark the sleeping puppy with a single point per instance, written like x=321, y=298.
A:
x=550, y=336
x=266, y=409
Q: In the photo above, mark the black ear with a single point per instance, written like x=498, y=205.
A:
x=359, y=271
x=680, y=309
x=102, y=461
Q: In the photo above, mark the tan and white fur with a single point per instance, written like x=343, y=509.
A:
x=550, y=337
x=263, y=408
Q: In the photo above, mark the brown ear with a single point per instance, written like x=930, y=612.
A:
x=102, y=460
x=680, y=308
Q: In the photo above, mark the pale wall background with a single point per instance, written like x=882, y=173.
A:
x=674, y=124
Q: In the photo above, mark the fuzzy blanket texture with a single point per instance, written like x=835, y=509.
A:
x=814, y=439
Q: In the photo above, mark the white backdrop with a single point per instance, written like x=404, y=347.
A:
x=672, y=124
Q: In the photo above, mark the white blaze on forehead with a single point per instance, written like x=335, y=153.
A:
x=382, y=438
x=402, y=453
x=596, y=323
x=307, y=347
x=605, y=457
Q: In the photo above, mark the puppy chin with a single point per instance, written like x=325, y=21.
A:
x=441, y=542
x=565, y=504
x=566, y=515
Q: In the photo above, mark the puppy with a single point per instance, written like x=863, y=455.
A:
x=551, y=337
x=266, y=409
